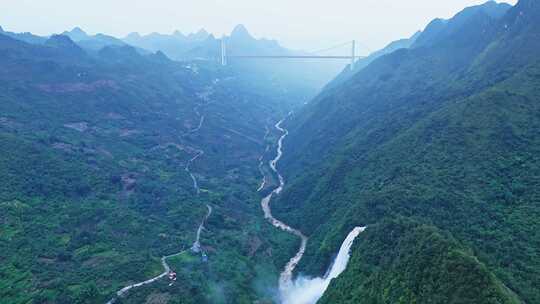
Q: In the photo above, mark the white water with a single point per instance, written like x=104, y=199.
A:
x=310, y=290
x=285, y=278
x=303, y=290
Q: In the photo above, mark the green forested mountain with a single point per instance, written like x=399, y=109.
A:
x=444, y=134
x=361, y=63
x=438, y=29
x=400, y=261
x=112, y=157
x=93, y=155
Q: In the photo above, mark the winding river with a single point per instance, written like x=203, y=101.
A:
x=285, y=279
x=302, y=290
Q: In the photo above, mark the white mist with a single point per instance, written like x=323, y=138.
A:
x=310, y=290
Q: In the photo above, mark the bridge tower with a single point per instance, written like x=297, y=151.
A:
x=223, y=51
x=353, y=55
x=225, y=57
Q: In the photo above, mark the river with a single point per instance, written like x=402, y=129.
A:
x=285, y=279
x=302, y=290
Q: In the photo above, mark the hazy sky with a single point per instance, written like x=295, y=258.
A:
x=306, y=24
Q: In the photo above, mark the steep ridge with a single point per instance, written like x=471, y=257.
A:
x=439, y=29
x=383, y=80
x=443, y=133
x=360, y=64
x=424, y=266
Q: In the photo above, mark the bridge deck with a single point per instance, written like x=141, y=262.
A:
x=294, y=57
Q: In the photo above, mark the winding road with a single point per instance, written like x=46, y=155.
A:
x=285, y=279
x=166, y=270
x=188, y=170
x=196, y=247
x=261, y=160
x=196, y=244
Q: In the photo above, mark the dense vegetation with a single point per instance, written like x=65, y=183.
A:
x=93, y=151
x=445, y=132
x=433, y=143
x=399, y=261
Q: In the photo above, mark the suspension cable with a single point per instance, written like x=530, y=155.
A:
x=330, y=48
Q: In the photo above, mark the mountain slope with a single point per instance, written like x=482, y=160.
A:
x=360, y=64
x=424, y=266
x=439, y=29
x=444, y=133
x=98, y=162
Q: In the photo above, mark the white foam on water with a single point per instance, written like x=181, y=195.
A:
x=309, y=290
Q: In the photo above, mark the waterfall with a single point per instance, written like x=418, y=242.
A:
x=309, y=290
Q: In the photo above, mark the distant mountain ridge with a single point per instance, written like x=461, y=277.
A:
x=65, y=45
x=440, y=29
x=92, y=42
x=26, y=37
x=239, y=42
x=201, y=45
x=436, y=30
x=174, y=45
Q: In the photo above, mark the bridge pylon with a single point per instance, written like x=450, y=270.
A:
x=353, y=55
x=223, y=51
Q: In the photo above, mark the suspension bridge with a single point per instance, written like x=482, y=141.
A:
x=310, y=55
